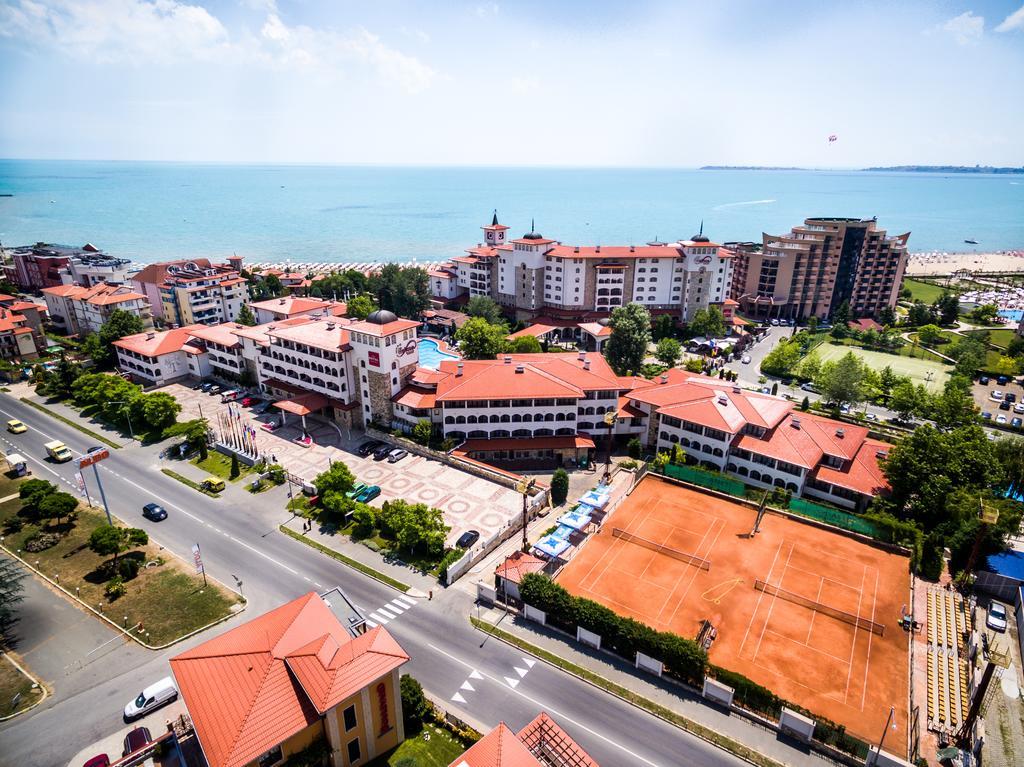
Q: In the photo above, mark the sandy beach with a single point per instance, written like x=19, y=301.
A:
x=948, y=263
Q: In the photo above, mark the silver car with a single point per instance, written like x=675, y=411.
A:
x=996, y=619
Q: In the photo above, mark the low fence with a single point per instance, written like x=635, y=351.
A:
x=837, y=518
x=716, y=482
x=481, y=549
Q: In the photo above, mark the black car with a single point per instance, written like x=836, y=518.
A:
x=1010, y=397
x=467, y=539
x=368, y=447
x=1003, y=380
x=1004, y=405
x=382, y=452
x=154, y=512
x=136, y=739
x=983, y=380
x=207, y=386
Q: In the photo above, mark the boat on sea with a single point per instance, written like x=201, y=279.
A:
x=971, y=242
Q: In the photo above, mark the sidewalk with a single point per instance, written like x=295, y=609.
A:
x=420, y=584
x=667, y=694
x=26, y=391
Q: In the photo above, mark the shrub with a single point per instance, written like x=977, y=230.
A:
x=749, y=694
x=128, y=568
x=451, y=557
x=40, y=542
x=115, y=588
x=422, y=431
x=559, y=487
x=629, y=463
x=235, y=469
x=634, y=448
x=415, y=706
x=364, y=521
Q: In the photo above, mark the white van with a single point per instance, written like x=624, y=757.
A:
x=230, y=396
x=151, y=698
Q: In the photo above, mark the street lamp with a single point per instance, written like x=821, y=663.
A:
x=892, y=720
x=128, y=414
x=609, y=419
x=524, y=487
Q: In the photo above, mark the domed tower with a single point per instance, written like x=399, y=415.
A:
x=494, y=233
x=384, y=357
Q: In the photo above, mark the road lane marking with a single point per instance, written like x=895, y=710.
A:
x=379, y=618
x=555, y=713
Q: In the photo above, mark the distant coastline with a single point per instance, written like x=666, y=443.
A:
x=989, y=169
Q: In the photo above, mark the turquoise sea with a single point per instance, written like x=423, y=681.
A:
x=151, y=211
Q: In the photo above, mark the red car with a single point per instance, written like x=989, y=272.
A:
x=249, y=401
x=98, y=761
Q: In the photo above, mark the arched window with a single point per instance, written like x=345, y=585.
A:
x=570, y=416
x=477, y=434
x=471, y=419
x=543, y=433
x=521, y=433
x=560, y=416
x=505, y=418
x=527, y=417
x=499, y=433
x=495, y=418
x=460, y=419
x=730, y=466
x=743, y=471
x=563, y=432
x=755, y=475
x=779, y=482
x=516, y=418
x=791, y=487
x=549, y=416
x=448, y=419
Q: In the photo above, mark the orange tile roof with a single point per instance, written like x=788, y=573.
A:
x=541, y=737
x=331, y=334
x=163, y=342
x=252, y=687
x=258, y=333
x=544, y=375
x=224, y=334
x=518, y=564
x=64, y=290
x=291, y=305
x=498, y=748
x=863, y=474
x=537, y=329
x=544, y=735
x=416, y=397
x=13, y=322
x=104, y=295
x=596, y=329
x=157, y=273
x=373, y=329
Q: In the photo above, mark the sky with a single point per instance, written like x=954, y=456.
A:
x=537, y=82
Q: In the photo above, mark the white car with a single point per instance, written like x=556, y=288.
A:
x=746, y=361
x=996, y=619
x=1000, y=418
x=996, y=395
x=1019, y=407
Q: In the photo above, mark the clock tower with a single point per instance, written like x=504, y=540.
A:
x=494, y=234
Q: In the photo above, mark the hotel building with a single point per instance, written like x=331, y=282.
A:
x=193, y=291
x=536, y=276
x=75, y=309
x=814, y=268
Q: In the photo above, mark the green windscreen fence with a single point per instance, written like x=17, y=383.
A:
x=705, y=479
x=836, y=517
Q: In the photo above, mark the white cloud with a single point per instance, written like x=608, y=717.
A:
x=1015, y=21
x=168, y=30
x=965, y=28
x=483, y=10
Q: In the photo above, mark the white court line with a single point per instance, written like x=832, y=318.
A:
x=853, y=649
x=867, y=660
x=760, y=596
x=810, y=627
x=775, y=598
x=559, y=715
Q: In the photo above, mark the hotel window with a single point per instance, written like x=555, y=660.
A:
x=354, y=755
x=350, y=718
x=273, y=756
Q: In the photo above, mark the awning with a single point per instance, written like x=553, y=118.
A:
x=595, y=498
x=574, y=520
x=551, y=546
x=304, y=404
x=527, y=443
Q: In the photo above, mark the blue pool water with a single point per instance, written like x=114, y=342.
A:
x=431, y=354
x=1013, y=315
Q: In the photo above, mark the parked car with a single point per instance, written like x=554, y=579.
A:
x=844, y=408
x=871, y=416
x=250, y=401
x=983, y=380
x=397, y=455
x=100, y=760
x=807, y=386
x=1019, y=407
x=206, y=386
x=262, y=407
x=93, y=449
x=368, y=494
x=774, y=322
x=1016, y=423
x=151, y=698
x=1011, y=397
x=987, y=416
x=745, y=359
x=1000, y=418
x=467, y=539
x=1004, y=405
x=1003, y=380
x=215, y=389
x=213, y=484
x=996, y=618
x=357, y=488
x=996, y=394
x=230, y=395
x=15, y=426
x=136, y=739
x=154, y=512
x=368, y=447
x=382, y=452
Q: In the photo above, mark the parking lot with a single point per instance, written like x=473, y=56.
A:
x=983, y=399
x=468, y=502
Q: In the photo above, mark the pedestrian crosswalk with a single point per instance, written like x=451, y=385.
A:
x=384, y=614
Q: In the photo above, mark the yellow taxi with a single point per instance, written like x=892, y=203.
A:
x=213, y=484
x=15, y=426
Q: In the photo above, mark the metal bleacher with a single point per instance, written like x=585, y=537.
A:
x=948, y=669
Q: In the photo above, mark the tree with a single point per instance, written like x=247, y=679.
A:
x=61, y=381
x=812, y=324
x=107, y=540
x=929, y=335
x=782, y=360
x=360, y=307
x=631, y=333
x=57, y=506
x=482, y=306
x=887, y=316
x=404, y=290
x=415, y=707
x=480, y=340
x=245, y=316
x=947, y=308
x=985, y=314
x=970, y=354
x=118, y=325
x=1009, y=452
x=664, y=327
x=805, y=403
x=524, y=345
x=634, y=448
x=273, y=286
x=337, y=478
x=1007, y=366
x=869, y=338
x=908, y=400
x=158, y=410
x=195, y=434
x=810, y=368
x=32, y=492
x=11, y=576
x=887, y=379
x=920, y=314
x=415, y=527
x=693, y=365
x=955, y=406
x=841, y=315
x=422, y=431
x=668, y=352
x=235, y=468
x=559, y=486
x=842, y=382
x=709, y=323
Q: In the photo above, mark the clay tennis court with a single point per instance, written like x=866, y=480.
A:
x=777, y=599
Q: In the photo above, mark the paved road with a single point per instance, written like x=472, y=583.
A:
x=238, y=535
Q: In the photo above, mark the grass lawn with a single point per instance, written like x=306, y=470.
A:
x=440, y=750
x=917, y=369
x=922, y=291
x=167, y=598
x=219, y=465
x=13, y=682
x=1000, y=337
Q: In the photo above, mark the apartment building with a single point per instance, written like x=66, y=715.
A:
x=535, y=275
x=32, y=267
x=156, y=358
x=75, y=309
x=193, y=291
x=816, y=267
x=555, y=408
x=91, y=268
x=34, y=315
x=287, y=307
x=305, y=672
x=17, y=339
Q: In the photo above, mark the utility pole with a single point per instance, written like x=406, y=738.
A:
x=891, y=719
x=609, y=418
x=524, y=487
x=128, y=415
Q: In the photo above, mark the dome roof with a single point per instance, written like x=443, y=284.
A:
x=700, y=238
x=604, y=322
x=381, y=317
x=533, y=236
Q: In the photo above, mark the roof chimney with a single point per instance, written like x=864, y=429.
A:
x=795, y=423
x=330, y=326
x=663, y=379
x=586, y=364
x=150, y=335
x=508, y=360
x=581, y=356
x=840, y=433
x=280, y=301
x=520, y=369
x=458, y=369
x=723, y=400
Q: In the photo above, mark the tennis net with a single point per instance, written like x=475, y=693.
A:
x=789, y=596
x=661, y=548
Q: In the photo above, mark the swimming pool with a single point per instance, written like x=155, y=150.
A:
x=1013, y=315
x=431, y=355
